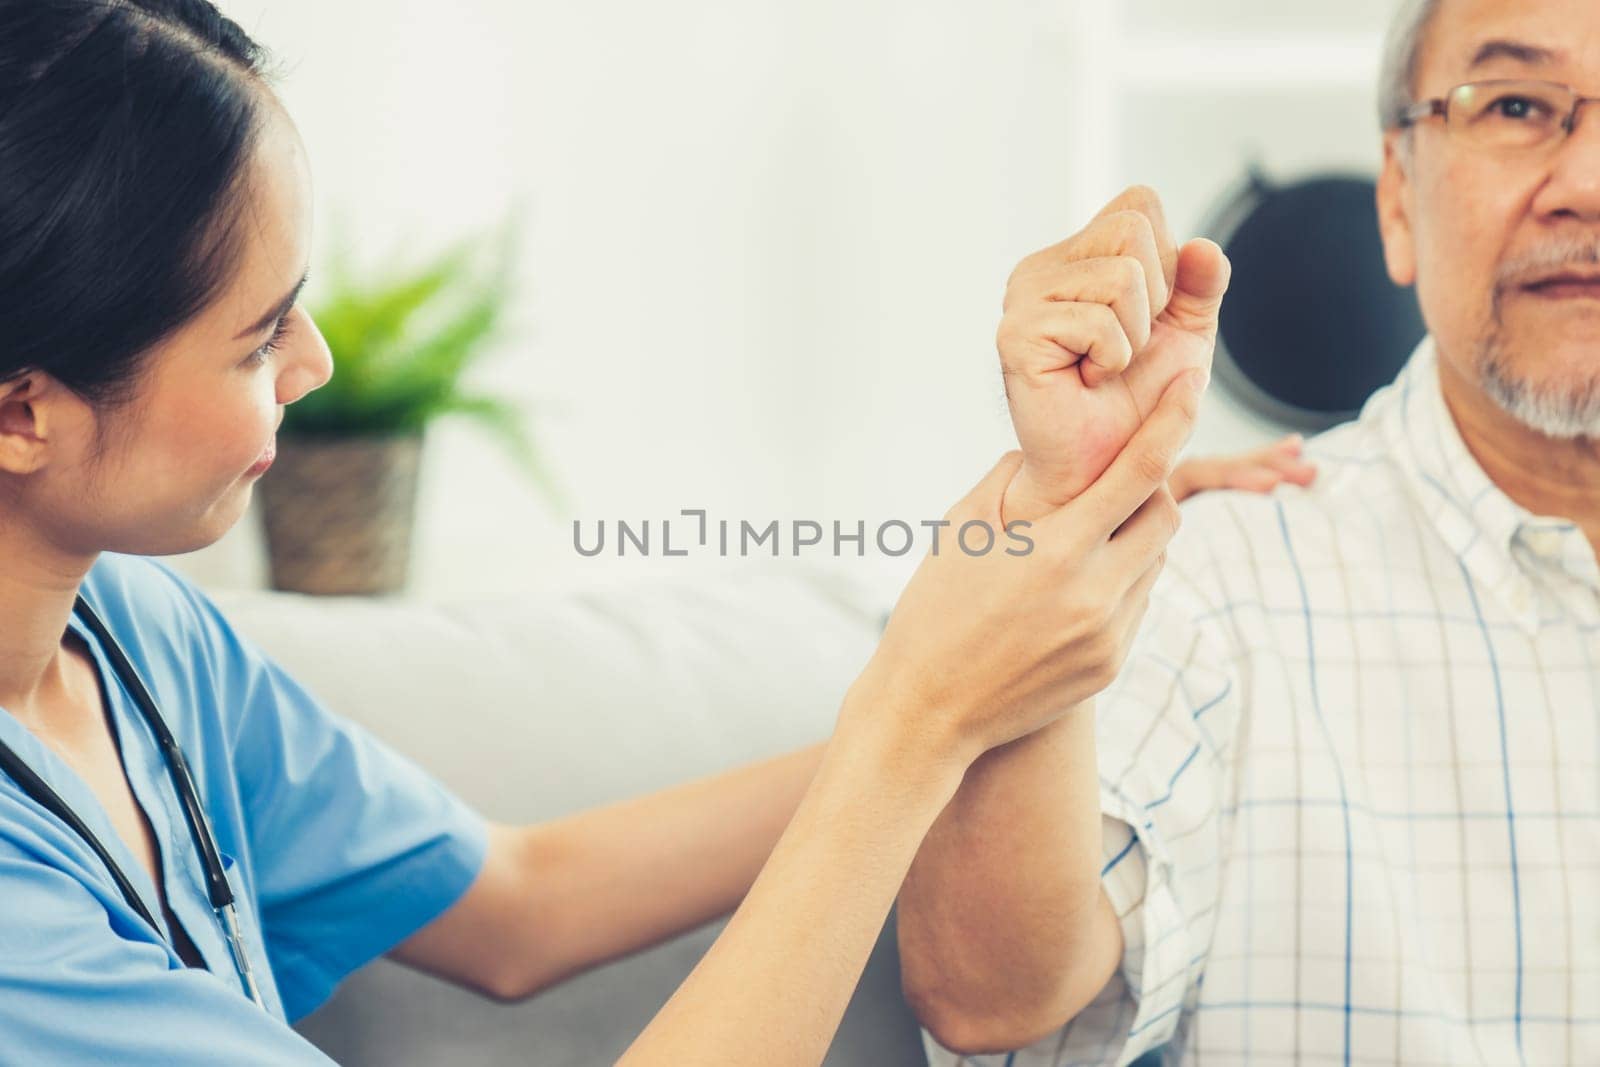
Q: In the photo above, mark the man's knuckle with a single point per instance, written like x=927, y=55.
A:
x=1104, y=319
x=1124, y=220
x=1134, y=228
x=1143, y=195
x=1130, y=272
x=1007, y=337
x=1027, y=265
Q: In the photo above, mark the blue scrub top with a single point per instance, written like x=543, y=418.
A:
x=337, y=848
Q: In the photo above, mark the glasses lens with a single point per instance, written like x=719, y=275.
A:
x=1509, y=114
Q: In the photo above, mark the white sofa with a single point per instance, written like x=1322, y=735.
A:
x=539, y=706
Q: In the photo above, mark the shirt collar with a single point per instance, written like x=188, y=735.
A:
x=1504, y=546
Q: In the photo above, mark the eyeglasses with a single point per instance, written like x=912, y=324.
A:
x=1503, y=115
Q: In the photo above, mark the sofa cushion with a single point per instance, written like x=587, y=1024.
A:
x=540, y=705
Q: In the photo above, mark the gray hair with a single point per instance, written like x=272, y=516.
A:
x=1402, y=54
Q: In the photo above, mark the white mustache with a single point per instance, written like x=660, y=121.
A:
x=1548, y=259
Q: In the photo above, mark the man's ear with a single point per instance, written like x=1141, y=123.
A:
x=24, y=423
x=1394, y=221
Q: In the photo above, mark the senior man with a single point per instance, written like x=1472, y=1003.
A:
x=1343, y=804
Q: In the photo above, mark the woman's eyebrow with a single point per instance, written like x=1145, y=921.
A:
x=277, y=311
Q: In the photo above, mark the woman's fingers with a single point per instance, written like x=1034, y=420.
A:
x=1130, y=612
x=1259, y=471
x=1142, y=467
x=1302, y=474
x=1251, y=479
x=1141, y=542
x=1284, y=456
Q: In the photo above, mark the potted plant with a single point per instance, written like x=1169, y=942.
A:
x=339, y=502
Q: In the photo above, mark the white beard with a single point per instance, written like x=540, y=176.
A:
x=1563, y=414
x=1560, y=413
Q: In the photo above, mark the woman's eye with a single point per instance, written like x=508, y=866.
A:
x=260, y=355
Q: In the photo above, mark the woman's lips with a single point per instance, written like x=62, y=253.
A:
x=260, y=466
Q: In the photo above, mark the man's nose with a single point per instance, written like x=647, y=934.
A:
x=1573, y=191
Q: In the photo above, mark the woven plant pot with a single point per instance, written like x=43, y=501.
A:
x=339, y=512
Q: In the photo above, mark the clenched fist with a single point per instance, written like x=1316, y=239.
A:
x=1095, y=330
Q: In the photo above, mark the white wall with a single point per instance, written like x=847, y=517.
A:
x=767, y=241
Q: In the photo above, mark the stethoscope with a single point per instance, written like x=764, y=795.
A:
x=217, y=888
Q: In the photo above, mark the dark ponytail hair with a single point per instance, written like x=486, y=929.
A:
x=126, y=127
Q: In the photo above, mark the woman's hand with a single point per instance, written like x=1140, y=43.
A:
x=982, y=649
x=1260, y=471
x=1027, y=611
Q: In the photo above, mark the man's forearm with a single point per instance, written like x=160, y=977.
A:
x=1004, y=933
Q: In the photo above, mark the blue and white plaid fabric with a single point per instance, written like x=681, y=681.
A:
x=1351, y=773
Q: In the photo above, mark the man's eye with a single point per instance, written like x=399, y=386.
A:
x=1519, y=108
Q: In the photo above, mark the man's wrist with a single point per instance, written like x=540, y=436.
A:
x=1025, y=500
x=1040, y=738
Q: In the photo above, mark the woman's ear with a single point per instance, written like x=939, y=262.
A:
x=1394, y=220
x=23, y=418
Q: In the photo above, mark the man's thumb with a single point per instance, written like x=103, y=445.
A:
x=1202, y=279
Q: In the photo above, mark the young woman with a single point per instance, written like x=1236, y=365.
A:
x=192, y=850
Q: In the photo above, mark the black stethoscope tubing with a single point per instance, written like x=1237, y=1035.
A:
x=217, y=888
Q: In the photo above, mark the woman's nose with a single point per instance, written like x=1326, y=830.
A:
x=310, y=368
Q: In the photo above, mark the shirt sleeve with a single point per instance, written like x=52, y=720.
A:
x=352, y=846
x=75, y=991
x=1165, y=736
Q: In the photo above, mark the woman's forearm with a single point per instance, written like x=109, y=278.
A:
x=557, y=898
x=618, y=879
x=774, y=986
